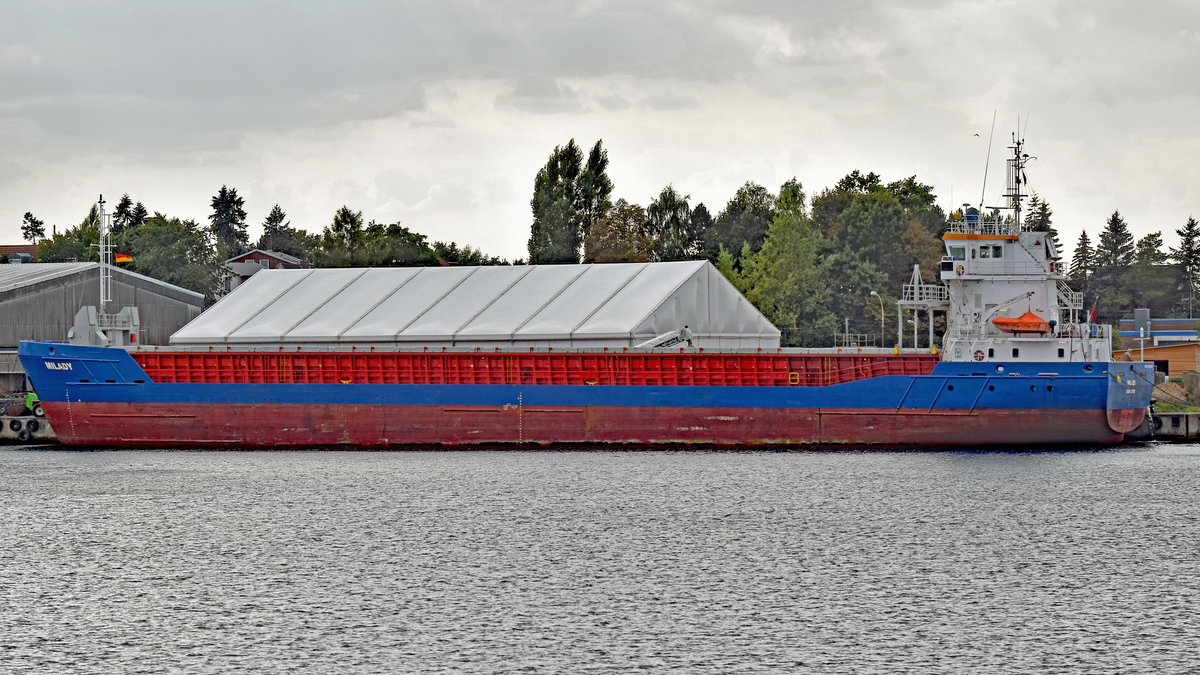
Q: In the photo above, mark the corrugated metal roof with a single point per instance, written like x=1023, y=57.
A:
x=526, y=305
x=14, y=276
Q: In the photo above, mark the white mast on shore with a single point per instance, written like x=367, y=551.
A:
x=105, y=257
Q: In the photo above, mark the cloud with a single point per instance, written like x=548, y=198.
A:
x=438, y=114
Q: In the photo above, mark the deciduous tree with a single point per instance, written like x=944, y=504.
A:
x=744, y=221
x=466, y=255
x=669, y=222
x=620, y=236
x=176, y=251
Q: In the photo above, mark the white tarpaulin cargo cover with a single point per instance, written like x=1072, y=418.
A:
x=560, y=306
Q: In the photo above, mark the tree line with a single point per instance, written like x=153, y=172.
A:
x=192, y=255
x=809, y=268
x=809, y=264
x=1118, y=273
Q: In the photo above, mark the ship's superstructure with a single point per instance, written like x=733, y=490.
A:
x=1004, y=290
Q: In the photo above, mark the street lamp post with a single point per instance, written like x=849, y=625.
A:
x=882, y=339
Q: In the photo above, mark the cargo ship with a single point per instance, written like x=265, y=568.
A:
x=636, y=354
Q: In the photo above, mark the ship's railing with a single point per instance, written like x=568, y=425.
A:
x=997, y=267
x=991, y=229
x=851, y=340
x=933, y=293
x=1068, y=298
x=1063, y=331
x=113, y=321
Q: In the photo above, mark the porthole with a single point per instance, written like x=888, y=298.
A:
x=1049, y=387
x=1088, y=368
x=1033, y=387
x=991, y=387
x=949, y=387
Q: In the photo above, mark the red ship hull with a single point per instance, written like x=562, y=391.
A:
x=264, y=425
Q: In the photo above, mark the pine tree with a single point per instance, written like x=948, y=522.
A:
x=1149, y=250
x=273, y=226
x=1039, y=218
x=228, y=221
x=120, y=218
x=1083, y=262
x=138, y=216
x=1116, y=245
x=32, y=228
x=1187, y=256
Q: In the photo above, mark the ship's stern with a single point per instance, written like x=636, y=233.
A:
x=1130, y=387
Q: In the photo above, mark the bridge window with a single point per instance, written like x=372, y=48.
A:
x=985, y=251
x=958, y=252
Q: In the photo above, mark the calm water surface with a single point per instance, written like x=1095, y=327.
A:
x=600, y=562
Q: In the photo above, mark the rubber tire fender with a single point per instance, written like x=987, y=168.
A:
x=15, y=425
x=32, y=426
x=24, y=435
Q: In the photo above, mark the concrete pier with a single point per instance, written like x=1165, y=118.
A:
x=1175, y=426
x=25, y=429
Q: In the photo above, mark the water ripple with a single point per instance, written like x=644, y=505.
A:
x=600, y=562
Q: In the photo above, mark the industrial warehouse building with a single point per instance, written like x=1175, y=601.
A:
x=38, y=301
x=607, y=306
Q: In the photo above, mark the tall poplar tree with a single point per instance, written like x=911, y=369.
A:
x=569, y=196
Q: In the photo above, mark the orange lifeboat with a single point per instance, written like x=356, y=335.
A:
x=1026, y=323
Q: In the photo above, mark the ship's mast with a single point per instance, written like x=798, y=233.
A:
x=1016, y=177
x=105, y=257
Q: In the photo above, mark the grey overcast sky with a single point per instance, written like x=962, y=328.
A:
x=439, y=114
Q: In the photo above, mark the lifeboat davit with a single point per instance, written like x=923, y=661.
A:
x=1026, y=323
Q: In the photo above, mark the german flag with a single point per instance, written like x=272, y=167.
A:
x=122, y=258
